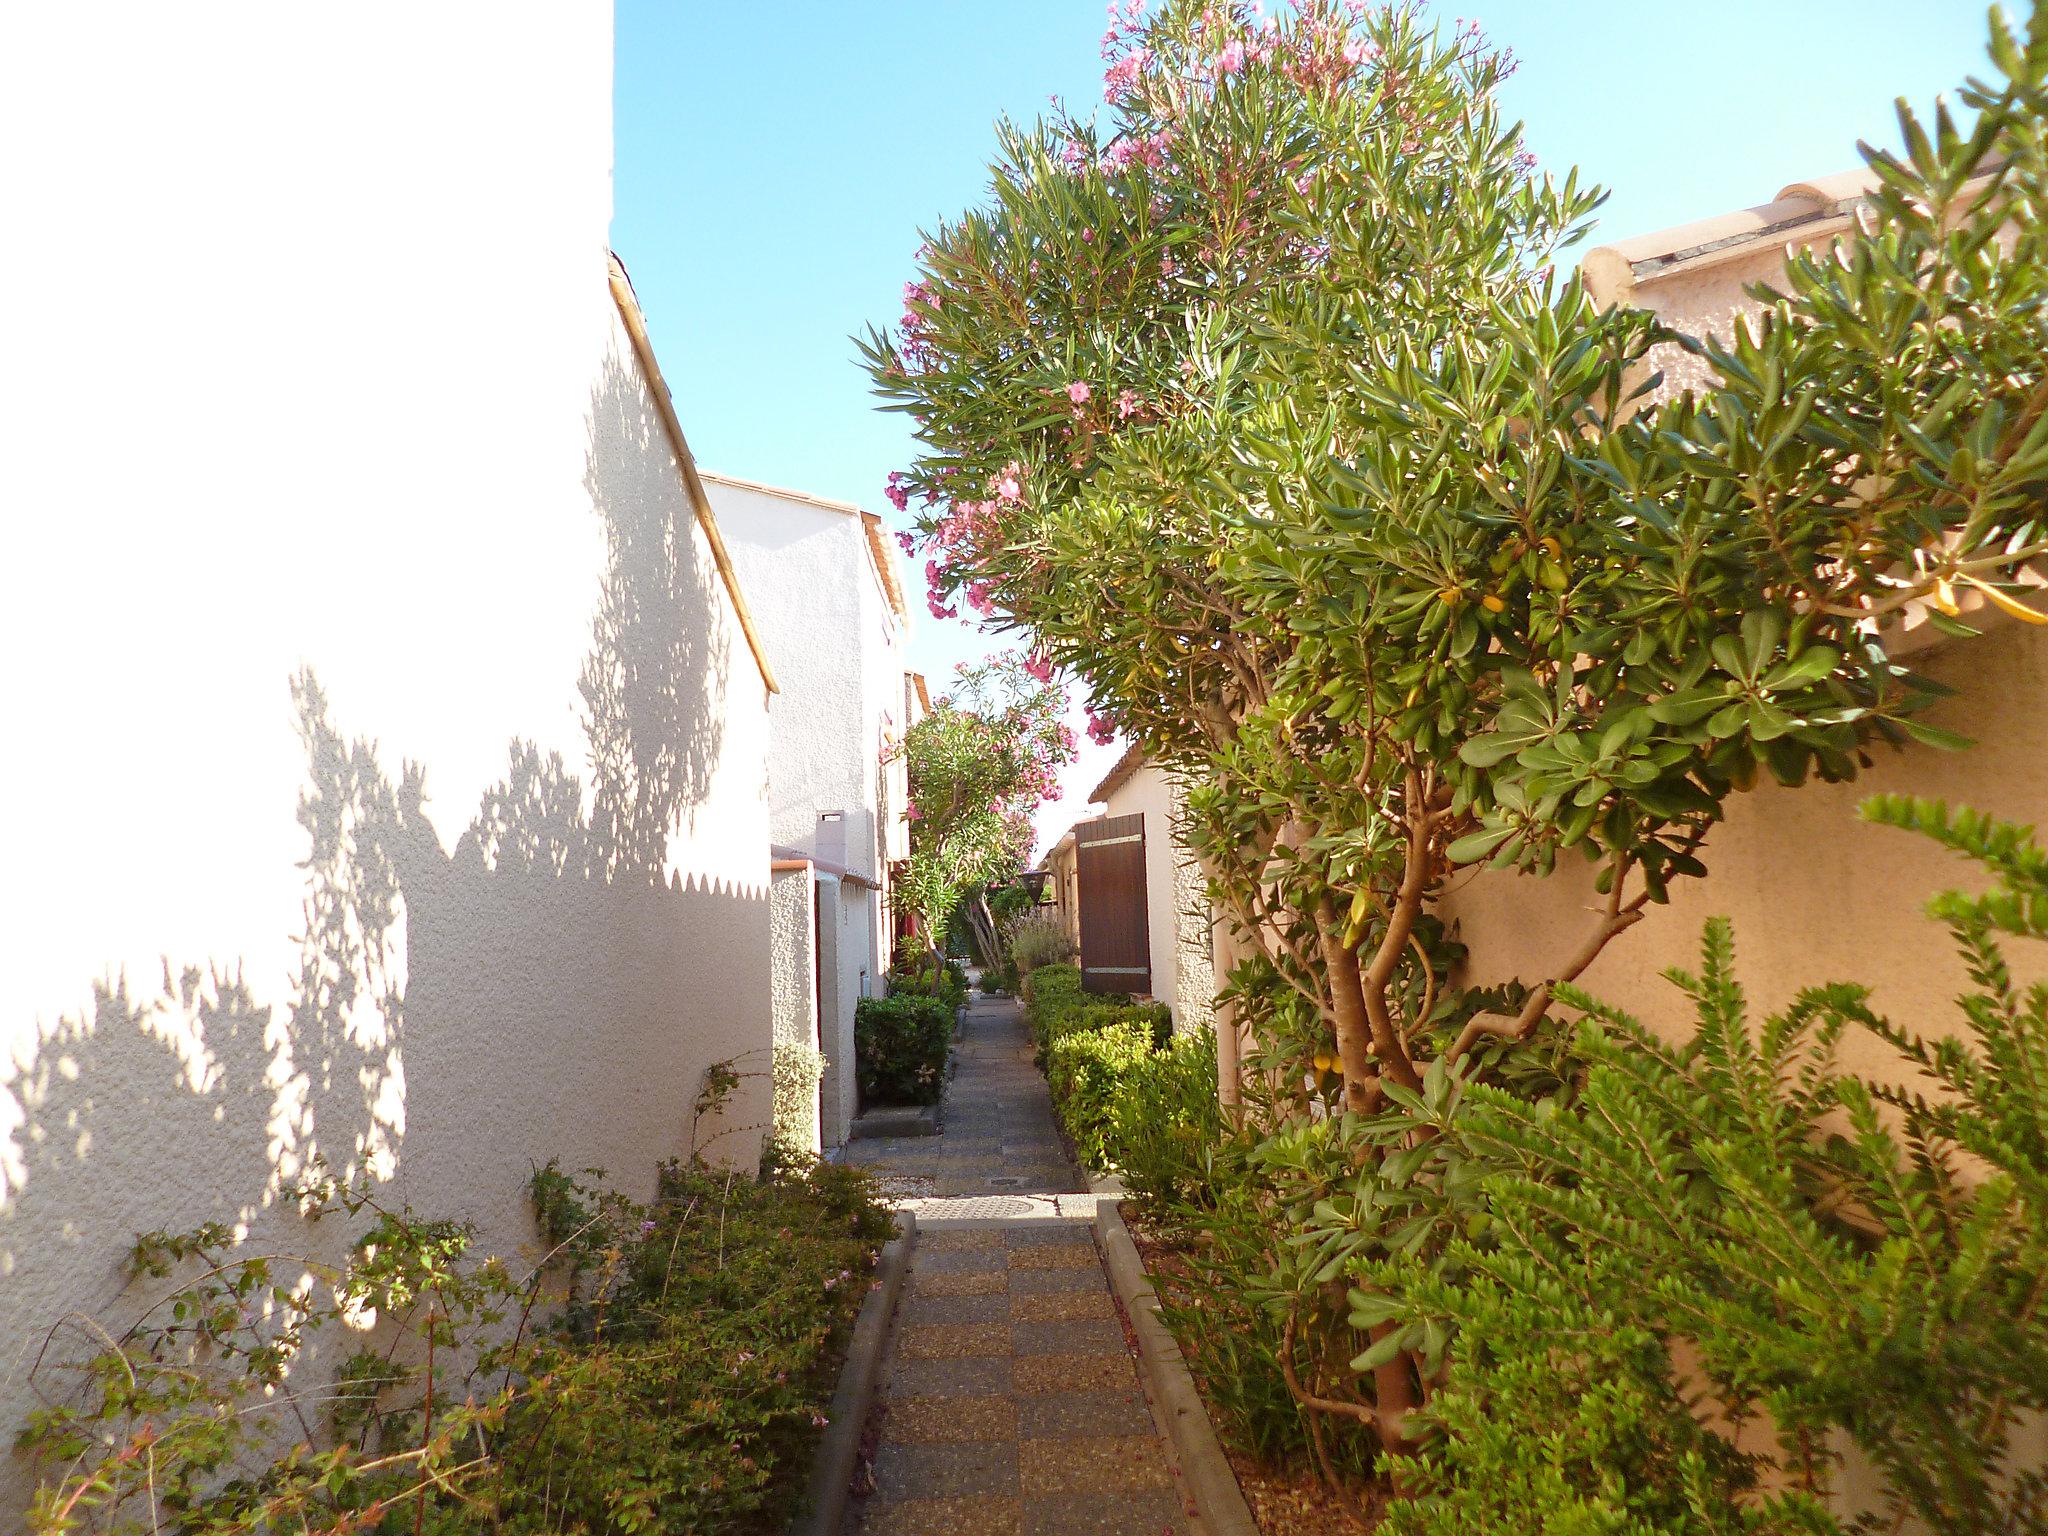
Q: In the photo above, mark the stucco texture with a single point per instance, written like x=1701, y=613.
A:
x=1814, y=894
x=836, y=644
x=286, y=895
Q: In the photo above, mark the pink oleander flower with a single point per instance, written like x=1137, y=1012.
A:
x=1231, y=59
x=1079, y=393
x=908, y=542
x=899, y=498
x=1122, y=76
x=1039, y=665
x=912, y=813
x=1128, y=405
x=977, y=595
x=1100, y=731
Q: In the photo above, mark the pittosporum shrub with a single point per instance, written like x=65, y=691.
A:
x=920, y=976
x=900, y=1046
x=1164, y=1126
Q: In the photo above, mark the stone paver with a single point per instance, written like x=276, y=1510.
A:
x=1010, y=1403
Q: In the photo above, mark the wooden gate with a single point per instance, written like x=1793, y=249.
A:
x=1116, y=949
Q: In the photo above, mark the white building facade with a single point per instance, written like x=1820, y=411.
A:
x=822, y=579
x=337, y=460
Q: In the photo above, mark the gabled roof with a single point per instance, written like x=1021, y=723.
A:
x=885, y=565
x=1125, y=770
x=877, y=535
x=693, y=486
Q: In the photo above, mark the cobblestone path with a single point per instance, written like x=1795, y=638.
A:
x=1010, y=1402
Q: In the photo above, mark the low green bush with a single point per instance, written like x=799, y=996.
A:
x=1086, y=1070
x=1164, y=1125
x=666, y=1368
x=918, y=977
x=1055, y=1006
x=1837, y=1258
x=900, y=1046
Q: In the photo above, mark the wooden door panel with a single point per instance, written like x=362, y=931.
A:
x=1116, y=949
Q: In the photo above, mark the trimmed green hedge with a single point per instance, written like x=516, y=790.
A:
x=1055, y=1006
x=900, y=1046
x=1086, y=1072
x=917, y=979
x=1091, y=1045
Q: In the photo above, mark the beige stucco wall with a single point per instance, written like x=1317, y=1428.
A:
x=1814, y=894
x=345, y=398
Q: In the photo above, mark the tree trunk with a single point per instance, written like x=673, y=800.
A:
x=981, y=927
x=1229, y=950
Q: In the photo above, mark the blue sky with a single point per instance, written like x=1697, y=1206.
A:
x=774, y=167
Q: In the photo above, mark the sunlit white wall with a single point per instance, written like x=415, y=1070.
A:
x=308, y=361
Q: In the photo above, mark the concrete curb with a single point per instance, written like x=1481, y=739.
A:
x=1205, y=1470
x=833, y=1462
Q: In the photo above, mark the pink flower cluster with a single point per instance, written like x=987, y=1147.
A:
x=1122, y=76
x=1100, y=730
x=920, y=302
x=1148, y=150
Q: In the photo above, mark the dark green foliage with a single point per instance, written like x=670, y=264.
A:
x=919, y=976
x=665, y=1369
x=901, y=1044
x=1840, y=1258
x=1055, y=1007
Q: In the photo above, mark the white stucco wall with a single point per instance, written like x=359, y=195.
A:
x=793, y=963
x=344, y=394
x=806, y=571
x=837, y=650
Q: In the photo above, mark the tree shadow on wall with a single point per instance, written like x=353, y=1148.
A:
x=552, y=986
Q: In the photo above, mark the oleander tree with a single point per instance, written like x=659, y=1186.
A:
x=980, y=765
x=1256, y=403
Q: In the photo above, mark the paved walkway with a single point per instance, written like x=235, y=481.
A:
x=1010, y=1403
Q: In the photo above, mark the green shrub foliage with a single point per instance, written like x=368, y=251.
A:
x=666, y=1368
x=1255, y=400
x=1652, y=1287
x=901, y=1044
x=1086, y=1069
x=1839, y=1256
x=1164, y=1123
x=1038, y=937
